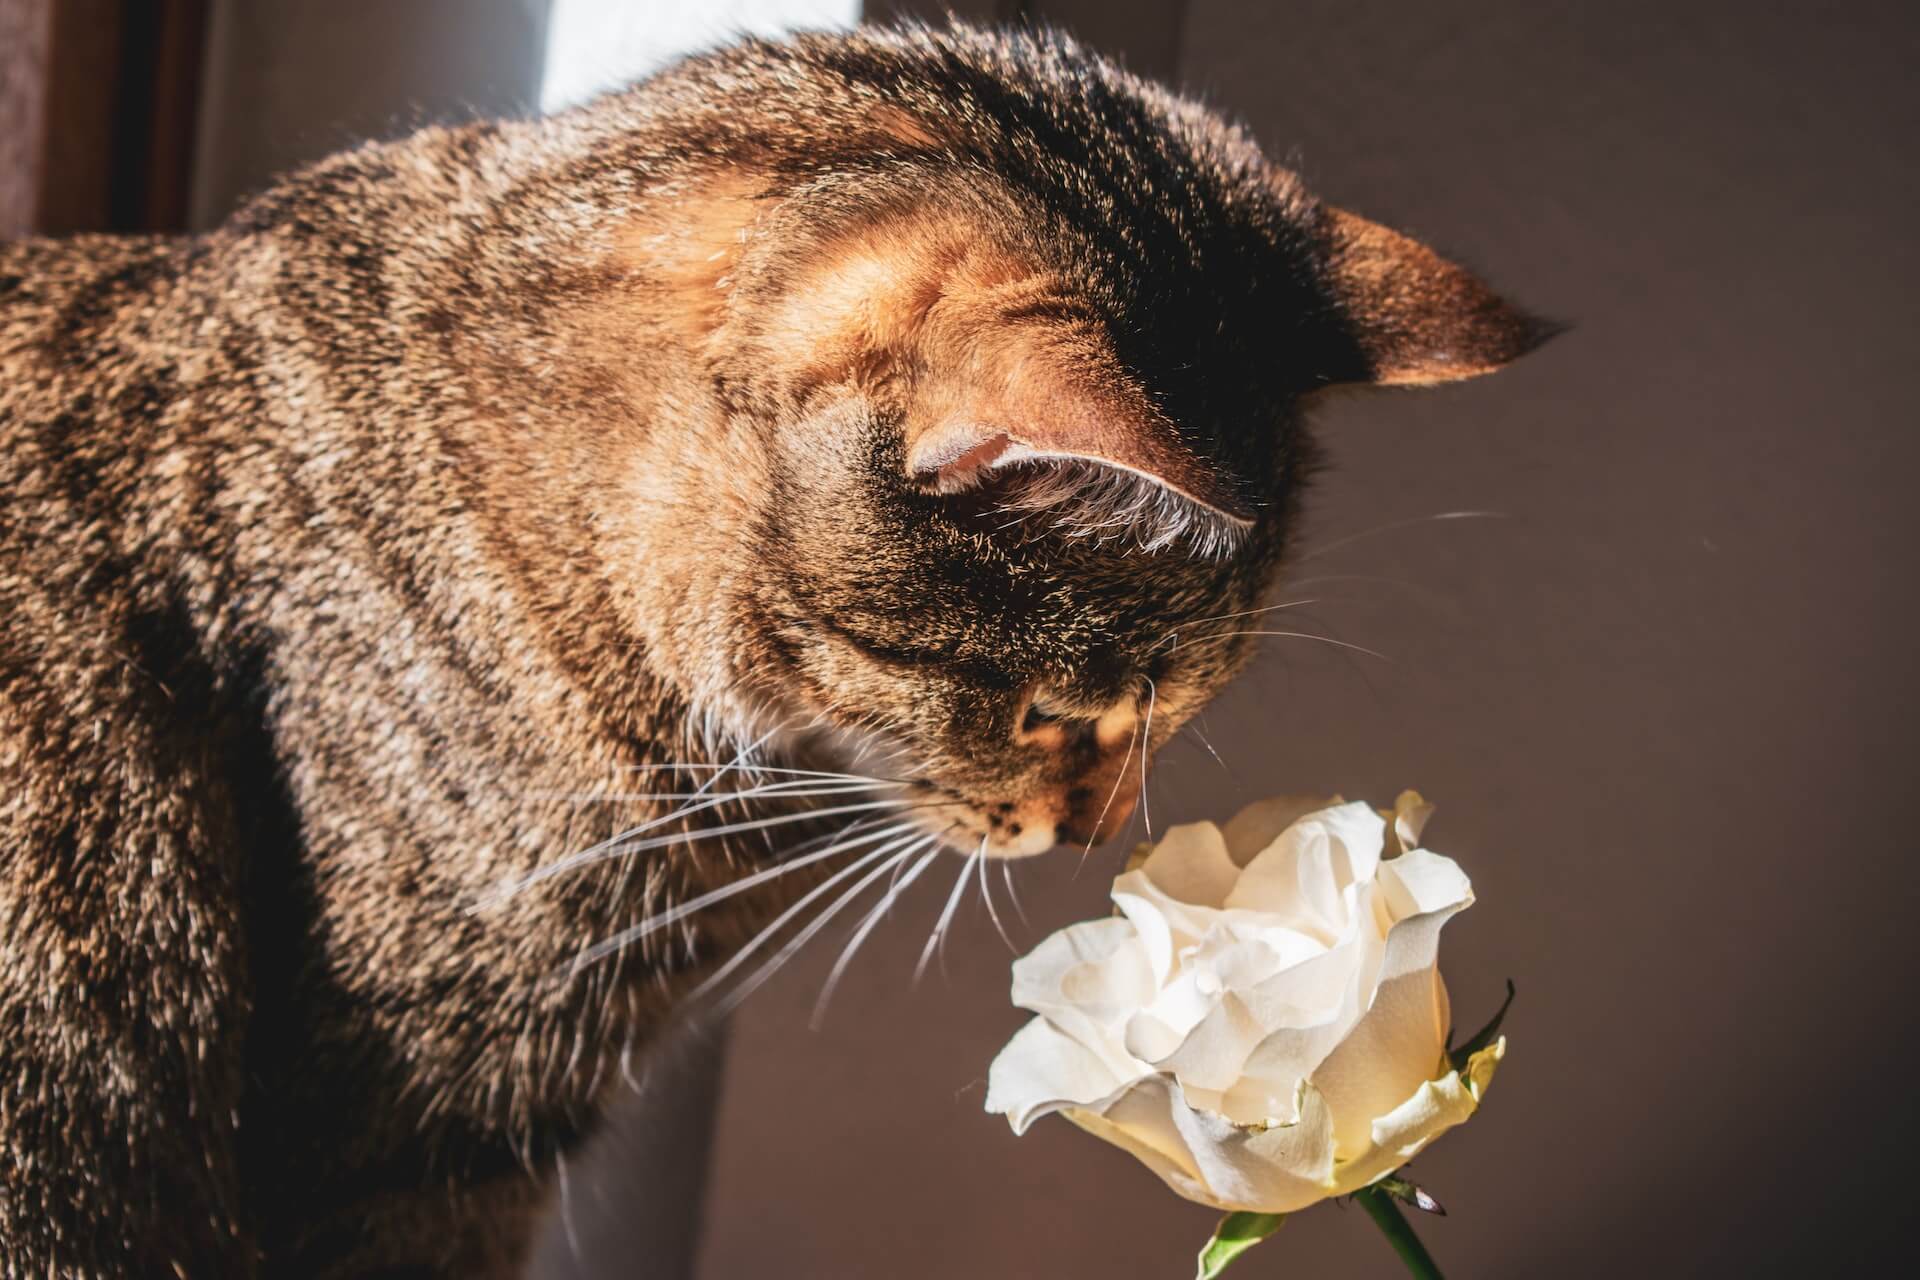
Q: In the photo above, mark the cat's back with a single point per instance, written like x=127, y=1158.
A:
x=79, y=321
x=85, y=329
x=57, y=296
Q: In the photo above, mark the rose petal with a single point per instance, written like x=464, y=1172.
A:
x=1043, y=1070
x=1212, y=1055
x=1309, y=1010
x=1421, y=881
x=1435, y=1107
x=1206, y=1159
x=1303, y=876
x=1259, y=824
x=1088, y=979
x=1401, y=1039
x=1190, y=864
x=1410, y=814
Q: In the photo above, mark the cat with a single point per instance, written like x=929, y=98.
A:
x=884, y=425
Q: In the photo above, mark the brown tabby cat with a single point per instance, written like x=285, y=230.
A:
x=928, y=390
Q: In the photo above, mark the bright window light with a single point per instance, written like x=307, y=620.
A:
x=595, y=45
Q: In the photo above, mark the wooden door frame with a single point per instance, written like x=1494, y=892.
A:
x=97, y=113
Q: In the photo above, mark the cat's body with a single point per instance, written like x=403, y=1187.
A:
x=346, y=549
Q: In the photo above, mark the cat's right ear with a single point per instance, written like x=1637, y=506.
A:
x=1413, y=318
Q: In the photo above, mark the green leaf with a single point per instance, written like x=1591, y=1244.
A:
x=1483, y=1037
x=1237, y=1233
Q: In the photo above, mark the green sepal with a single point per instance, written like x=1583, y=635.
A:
x=1483, y=1037
x=1237, y=1233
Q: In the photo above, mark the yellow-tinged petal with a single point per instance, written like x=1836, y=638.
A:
x=1206, y=1159
x=1435, y=1107
x=1259, y=824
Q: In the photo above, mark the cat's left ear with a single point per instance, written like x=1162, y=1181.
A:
x=1043, y=399
x=1414, y=318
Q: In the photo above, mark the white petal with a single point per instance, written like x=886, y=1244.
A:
x=1213, y=1053
x=1401, y=1039
x=1190, y=864
x=1435, y=1107
x=1206, y=1159
x=1309, y=1011
x=1088, y=979
x=1259, y=824
x=1302, y=877
x=1043, y=1070
x=1422, y=881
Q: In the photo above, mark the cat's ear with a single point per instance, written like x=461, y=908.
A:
x=1035, y=401
x=1415, y=318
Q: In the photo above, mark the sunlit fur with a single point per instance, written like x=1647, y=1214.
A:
x=412, y=591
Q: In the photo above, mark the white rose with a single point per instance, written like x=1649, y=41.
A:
x=1262, y=1024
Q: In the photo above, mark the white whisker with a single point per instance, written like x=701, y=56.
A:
x=1337, y=543
x=1117, y=777
x=799, y=789
x=986, y=895
x=1146, y=753
x=739, y=994
x=686, y=767
x=873, y=918
x=624, y=844
x=813, y=895
x=946, y=913
x=1297, y=635
x=1194, y=728
x=1013, y=895
x=1248, y=613
x=680, y=911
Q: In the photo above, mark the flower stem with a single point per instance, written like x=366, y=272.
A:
x=1386, y=1215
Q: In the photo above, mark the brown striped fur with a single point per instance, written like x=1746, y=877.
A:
x=340, y=547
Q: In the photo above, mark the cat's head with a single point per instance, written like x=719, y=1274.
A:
x=994, y=438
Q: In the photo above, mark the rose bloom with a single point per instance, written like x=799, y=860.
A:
x=1261, y=1023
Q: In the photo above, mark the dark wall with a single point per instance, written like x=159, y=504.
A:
x=1665, y=699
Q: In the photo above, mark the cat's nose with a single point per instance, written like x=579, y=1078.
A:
x=1103, y=753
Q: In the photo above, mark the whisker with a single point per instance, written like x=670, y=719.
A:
x=682, y=910
x=986, y=895
x=798, y=788
x=692, y=766
x=946, y=913
x=745, y=990
x=1117, y=777
x=772, y=930
x=1337, y=543
x=624, y=844
x=1248, y=613
x=1297, y=635
x=1194, y=728
x=1146, y=753
x=743, y=753
x=1006, y=874
x=873, y=918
